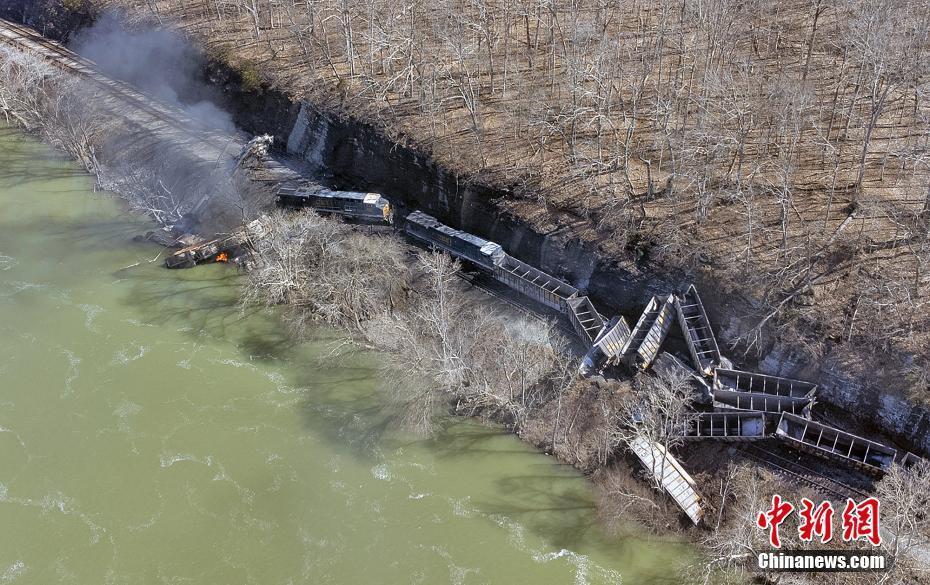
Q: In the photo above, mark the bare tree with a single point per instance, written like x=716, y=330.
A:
x=904, y=494
x=325, y=271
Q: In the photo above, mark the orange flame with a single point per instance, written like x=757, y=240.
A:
x=222, y=257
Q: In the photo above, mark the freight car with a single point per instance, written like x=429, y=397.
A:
x=743, y=425
x=699, y=335
x=370, y=207
x=832, y=443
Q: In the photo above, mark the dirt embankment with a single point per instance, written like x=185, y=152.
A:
x=817, y=335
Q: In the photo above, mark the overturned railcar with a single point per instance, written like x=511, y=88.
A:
x=762, y=384
x=650, y=331
x=607, y=346
x=763, y=402
x=459, y=244
x=832, y=443
x=727, y=426
x=699, y=336
x=587, y=322
x=671, y=475
x=370, y=207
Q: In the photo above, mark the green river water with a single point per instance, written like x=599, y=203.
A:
x=150, y=432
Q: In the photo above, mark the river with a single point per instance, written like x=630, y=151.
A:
x=153, y=432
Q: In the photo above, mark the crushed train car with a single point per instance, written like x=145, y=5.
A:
x=832, y=443
x=235, y=248
x=650, y=331
x=607, y=346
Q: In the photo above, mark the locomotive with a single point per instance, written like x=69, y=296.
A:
x=371, y=207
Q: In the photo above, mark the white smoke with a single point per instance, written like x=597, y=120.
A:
x=159, y=61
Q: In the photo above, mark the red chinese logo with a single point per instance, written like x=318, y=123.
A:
x=773, y=518
x=816, y=521
x=860, y=521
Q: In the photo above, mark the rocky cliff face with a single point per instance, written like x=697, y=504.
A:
x=361, y=158
x=358, y=157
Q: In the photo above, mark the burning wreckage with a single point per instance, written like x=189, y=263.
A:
x=731, y=405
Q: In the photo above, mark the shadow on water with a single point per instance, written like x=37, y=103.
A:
x=341, y=404
x=345, y=407
x=20, y=162
x=552, y=503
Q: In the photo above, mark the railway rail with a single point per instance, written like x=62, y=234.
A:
x=22, y=37
x=800, y=473
x=476, y=280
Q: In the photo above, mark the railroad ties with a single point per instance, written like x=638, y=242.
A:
x=727, y=426
x=699, y=336
x=673, y=478
x=826, y=441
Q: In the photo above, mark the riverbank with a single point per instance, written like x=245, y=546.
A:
x=814, y=260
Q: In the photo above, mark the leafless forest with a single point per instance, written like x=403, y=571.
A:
x=781, y=145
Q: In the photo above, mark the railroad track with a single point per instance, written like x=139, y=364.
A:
x=797, y=472
x=22, y=37
x=475, y=280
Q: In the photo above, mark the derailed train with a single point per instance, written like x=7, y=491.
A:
x=745, y=405
x=516, y=274
x=484, y=254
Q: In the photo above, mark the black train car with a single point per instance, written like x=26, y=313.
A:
x=463, y=245
x=363, y=206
